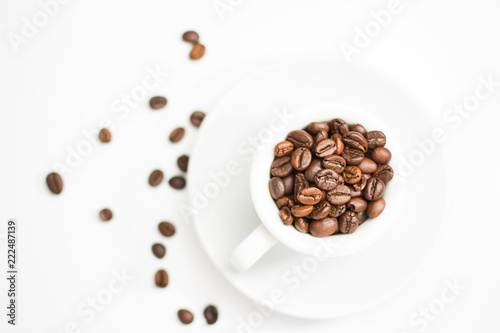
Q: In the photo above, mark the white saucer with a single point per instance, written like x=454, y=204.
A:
x=225, y=215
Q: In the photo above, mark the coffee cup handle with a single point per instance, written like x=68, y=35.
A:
x=252, y=248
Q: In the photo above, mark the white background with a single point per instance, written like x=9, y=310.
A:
x=65, y=79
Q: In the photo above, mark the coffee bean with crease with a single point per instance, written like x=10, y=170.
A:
x=352, y=174
x=300, y=184
x=381, y=155
x=356, y=205
x=339, y=143
x=359, y=186
x=325, y=148
x=300, y=138
x=313, y=169
x=55, y=183
x=356, y=140
x=282, y=167
x=375, y=139
x=283, y=148
x=341, y=180
x=355, y=193
x=353, y=156
x=301, y=224
x=384, y=173
x=326, y=179
x=325, y=227
x=339, y=126
x=335, y=163
x=337, y=210
x=315, y=128
x=211, y=314
x=362, y=216
x=320, y=137
x=161, y=278
x=286, y=201
x=309, y=196
x=276, y=188
x=339, y=196
x=289, y=182
x=321, y=210
x=301, y=159
x=367, y=165
x=348, y=222
x=177, y=134
x=301, y=211
x=374, y=189
x=358, y=128
x=286, y=216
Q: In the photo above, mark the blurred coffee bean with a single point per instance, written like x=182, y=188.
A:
x=283, y=148
x=157, y=102
x=315, y=128
x=362, y=217
x=289, y=182
x=197, y=52
x=182, y=162
x=105, y=214
x=358, y=128
x=356, y=205
x=375, y=139
x=105, y=135
x=359, y=186
x=191, y=37
x=167, y=229
x=374, y=189
x=313, y=169
x=211, y=314
x=161, y=278
x=325, y=227
x=367, y=165
x=301, y=224
x=381, y=155
x=301, y=211
x=55, y=183
x=159, y=250
x=197, y=118
x=339, y=143
x=285, y=202
x=176, y=135
x=300, y=183
x=348, y=222
x=337, y=210
x=177, y=182
x=300, y=138
x=286, y=216
x=375, y=208
x=276, y=187
x=282, y=167
x=301, y=159
x=155, y=178
x=185, y=316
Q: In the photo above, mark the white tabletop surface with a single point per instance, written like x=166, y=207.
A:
x=67, y=77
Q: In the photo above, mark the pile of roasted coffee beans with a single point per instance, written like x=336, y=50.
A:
x=330, y=177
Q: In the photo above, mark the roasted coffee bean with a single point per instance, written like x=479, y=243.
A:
x=374, y=189
x=339, y=143
x=356, y=205
x=325, y=148
x=177, y=134
x=282, y=167
x=276, y=188
x=182, y=162
x=177, y=182
x=161, y=278
x=301, y=224
x=356, y=140
x=381, y=155
x=375, y=208
x=301, y=159
x=301, y=211
x=155, y=178
x=315, y=128
x=285, y=202
x=359, y=186
x=105, y=135
x=313, y=169
x=106, y=215
x=358, y=128
x=300, y=183
x=326, y=179
x=339, y=196
x=384, y=173
x=289, y=182
x=353, y=156
x=325, y=227
x=185, y=316
x=321, y=210
x=157, y=102
x=337, y=210
x=320, y=137
x=354, y=193
x=300, y=139
x=159, y=250
x=286, y=216
x=351, y=174
x=309, y=196
x=335, y=163
x=191, y=37
x=55, y=183
x=375, y=139
x=339, y=126
x=348, y=223
x=167, y=229
x=283, y=148
x=197, y=52
x=197, y=118
x=362, y=217
x=211, y=314
x=367, y=165
x=341, y=180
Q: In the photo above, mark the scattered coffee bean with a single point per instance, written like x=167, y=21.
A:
x=197, y=118
x=161, y=278
x=374, y=189
x=301, y=159
x=177, y=182
x=105, y=135
x=197, y=52
x=211, y=314
x=375, y=139
x=301, y=211
x=191, y=37
x=325, y=227
x=300, y=139
x=301, y=224
x=326, y=179
x=182, y=162
x=352, y=174
x=367, y=165
x=185, y=316
x=155, y=178
x=159, y=250
x=157, y=102
x=375, y=208
x=177, y=134
x=167, y=229
x=286, y=216
x=55, y=183
x=348, y=222
x=381, y=155
x=339, y=196
x=106, y=214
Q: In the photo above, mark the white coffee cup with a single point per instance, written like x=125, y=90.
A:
x=272, y=229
